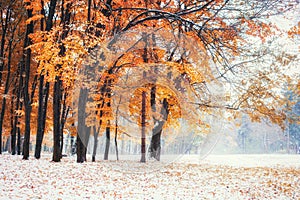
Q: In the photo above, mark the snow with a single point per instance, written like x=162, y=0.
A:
x=186, y=177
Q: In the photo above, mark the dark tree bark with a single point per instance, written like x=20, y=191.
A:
x=143, y=135
x=81, y=145
x=42, y=115
x=19, y=147
x=56, y=120
x=107, y=142
x=58, y=88
x=82, y=142
x=7, y=83
x=116, y=131
x=96, y=133
x=27, y=101
x=155, y=145
x=43, y=88
x=107, y=134
x=5, y=26
x=19, y=106
x=82, y=135
x=13, y=131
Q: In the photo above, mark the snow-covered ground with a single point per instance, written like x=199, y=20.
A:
x=187, y=177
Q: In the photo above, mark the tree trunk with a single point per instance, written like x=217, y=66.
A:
x=40, y=133
x=82, y=136
x=27, y=102
x=64, y=115
x=155, y=145
x=81, y=157
x=56, y=120
x=108, y=89
x=143, y=136
x=96, y=133
x=107, y=144
x=73, y=148
x=116, y=138
x=13, y=130
x=43, y=93
x=42, y=112
x=4, y=28
x=2, y=114
x=19, y=106
x=19, y=147
x=5, y=24
x=58, y=87
x=82, y=142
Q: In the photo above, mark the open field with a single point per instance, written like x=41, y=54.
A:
x=188, y=177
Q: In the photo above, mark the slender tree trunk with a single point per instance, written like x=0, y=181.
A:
x=2, y=51
x=2, y=114
x=19, y=147
x=3, y=40
x=107, y=143
x=56, y=120
x=19, y=106
x=108, y=89
x=143, y=136
x=64, y=115
x=73, y=150
x=42, y=120
x=116, y=135
x=27, y=102
x=39, y=134
x=96, y=133
x=155, y=135
x=13, y=130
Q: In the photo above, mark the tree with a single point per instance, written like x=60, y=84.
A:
x=26, y=70
x=43, y=87
x=12, y=23
x=292, y=110
x=200, y=44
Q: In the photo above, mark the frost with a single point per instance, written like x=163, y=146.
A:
x=215, y=177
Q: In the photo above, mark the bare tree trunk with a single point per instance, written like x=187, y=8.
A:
x=155, y=146
x=82, y=135
x=13, y=131
x=7, y=81
x=116, y=138
x=107, y=134
x=56, y=120
x=64, y=115
x=96, y=133
x=27, y=102
x=42, y=115
x=107, y=143
x=143, y=136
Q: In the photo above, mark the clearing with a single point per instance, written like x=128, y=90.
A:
x=187, y=177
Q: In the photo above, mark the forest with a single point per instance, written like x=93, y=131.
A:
x=148, y=72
